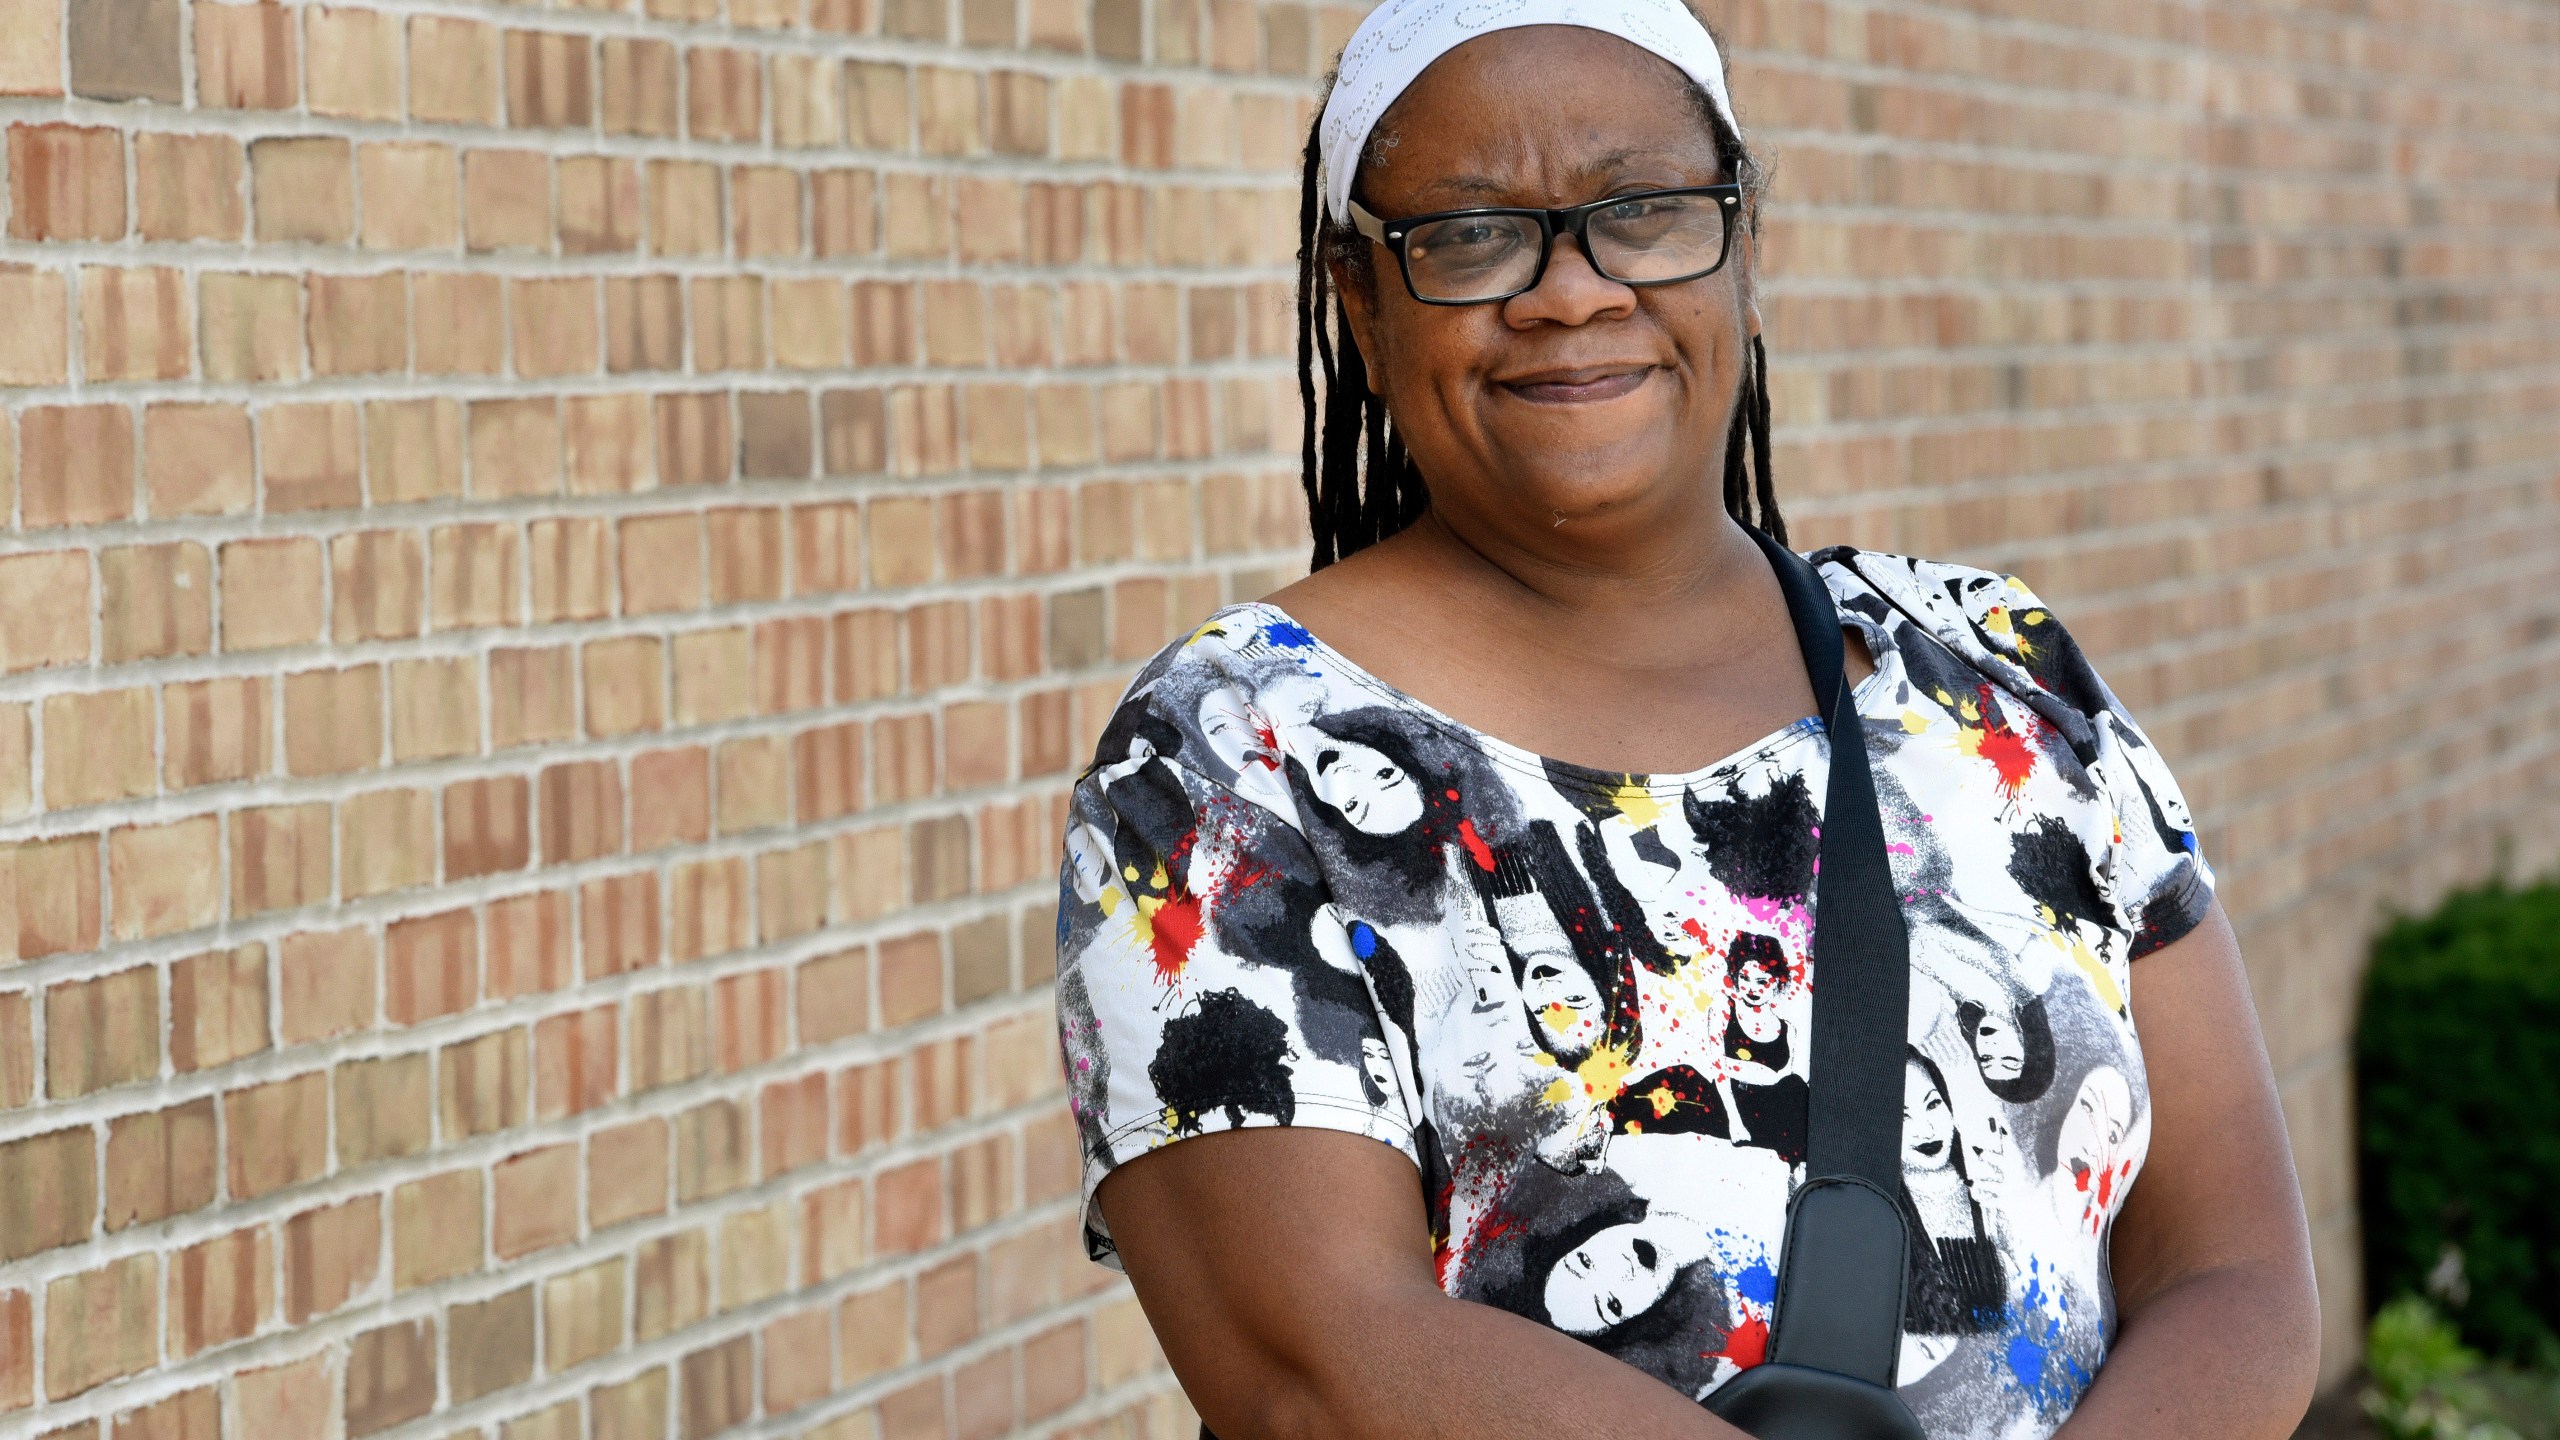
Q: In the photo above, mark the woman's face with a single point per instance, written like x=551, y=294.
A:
x=1236, y=735
x=1614, y=1275
x=1561, y=998
x=1088, y=861
x=1755, y=983
x=1998, y=1048
x=1928, y=1126
x=1370, y=790
x=1582, y=399
x=2094, y=1130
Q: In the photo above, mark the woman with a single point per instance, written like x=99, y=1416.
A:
x=1538, y=662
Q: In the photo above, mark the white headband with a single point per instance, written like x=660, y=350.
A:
x=1401, y=38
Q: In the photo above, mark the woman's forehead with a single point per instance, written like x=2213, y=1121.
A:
x=1560, y=100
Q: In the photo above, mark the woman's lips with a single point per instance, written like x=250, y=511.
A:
x=1571, y=387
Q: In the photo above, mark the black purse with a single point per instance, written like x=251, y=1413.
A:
x=1829, y=1372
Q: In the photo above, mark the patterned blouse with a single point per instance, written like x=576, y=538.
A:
x=1577, y=1000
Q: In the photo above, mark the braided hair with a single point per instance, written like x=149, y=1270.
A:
x=1347, y=434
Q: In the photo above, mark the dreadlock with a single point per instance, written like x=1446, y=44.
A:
x=1361, y=485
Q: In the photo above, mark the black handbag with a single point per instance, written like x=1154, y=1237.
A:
x=1830, y=1365
x=1829, y=1372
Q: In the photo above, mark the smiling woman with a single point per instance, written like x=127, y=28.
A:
x=1442, y=925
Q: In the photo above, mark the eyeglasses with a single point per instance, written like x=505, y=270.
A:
x=1474, y=257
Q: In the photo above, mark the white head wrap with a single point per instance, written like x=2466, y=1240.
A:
x=1401, y=38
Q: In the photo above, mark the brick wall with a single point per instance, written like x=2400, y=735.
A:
x=558, y=561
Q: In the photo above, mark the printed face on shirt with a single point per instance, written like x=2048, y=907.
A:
x=1375, y=1066
x=1370, y=790
x=1233, y=731
x=2094, y=1129
x=1755, y=983
x=1998, y=1048
x=1928, y=1126
x=1561, y=998
x=1088, y=861
x=1615, y=1274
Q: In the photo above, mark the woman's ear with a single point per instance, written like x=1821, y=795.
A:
x=1359, y=308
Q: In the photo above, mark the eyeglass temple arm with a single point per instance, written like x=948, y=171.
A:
x=1368, y=224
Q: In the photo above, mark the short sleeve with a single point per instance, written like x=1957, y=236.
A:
x=2152, y=863
x=1205, y=982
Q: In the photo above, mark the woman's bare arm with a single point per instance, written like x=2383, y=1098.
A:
x=1287, y=1273
x=2220, y=1333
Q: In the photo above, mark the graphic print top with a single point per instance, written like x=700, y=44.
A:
x=1578, y=1000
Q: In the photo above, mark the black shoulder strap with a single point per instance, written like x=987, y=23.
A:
x=1841, y=1282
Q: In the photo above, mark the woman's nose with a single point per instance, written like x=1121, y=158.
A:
x=1572, y=292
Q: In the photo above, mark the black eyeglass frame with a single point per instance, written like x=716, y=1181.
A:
x=1574, y=220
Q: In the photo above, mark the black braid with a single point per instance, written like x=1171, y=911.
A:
x=1354, y=439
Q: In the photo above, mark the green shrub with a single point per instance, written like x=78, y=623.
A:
x=2458, y=1065
x=2423, y=1383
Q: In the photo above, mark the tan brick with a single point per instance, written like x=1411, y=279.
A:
x=633, y=1409
x=386, y=841
x=75, y=465
x=718, y=1384
x=325, y=984
x=431, y=963
x=515, y=450
x=506, y=200
x=37, y=350
x=550, y=84
x=711, y=1152
x=714, y=677
x=490, y=1345
x=435, y=1228
x=528, y=948
x=639, y=86
x=158, y=601
x=410, y=197
x=30, y=64
x=276, y=1134
x=435, y=706
x=832, y=1220
x=48, y=1192
x=302, y=189
x=165, y=878
x=473, y=572
x=331, y=1255
x=386, y=1108
x=66, y=182
x=871, y=1331
x=159, y=1163
x=753, y=784
x=127, y=50
x=391, y=1376
x=536, y=1201
x=798, y=1360
x=359, y=325
x=480, y=1087
x=296, y=1401
x=279, y=857
x=694, y=442
x=684, y=208
x=575, y=1060
x=627, y=1172
x=582, y=1314
x=333, y=720
x=136, y=323
x=312, y=455
x=532, y=696
x=460, y=330
x=605, y=439
x=251, y=329
x=453, y=70
x=101, y=1324
x=671, y=1283
x=352, y=62
x=98, y=747
x=247, y=57
x=600, y=209
x=555, y=324
x=102, y=1032
x=215, y=730
x=219, y=1291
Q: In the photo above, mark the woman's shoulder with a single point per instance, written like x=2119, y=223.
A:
x=1991, y=623
x=1214, y=699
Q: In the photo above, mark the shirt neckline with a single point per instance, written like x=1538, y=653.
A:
x=1557, y=771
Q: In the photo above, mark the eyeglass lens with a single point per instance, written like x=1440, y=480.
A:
x=1648, y=238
